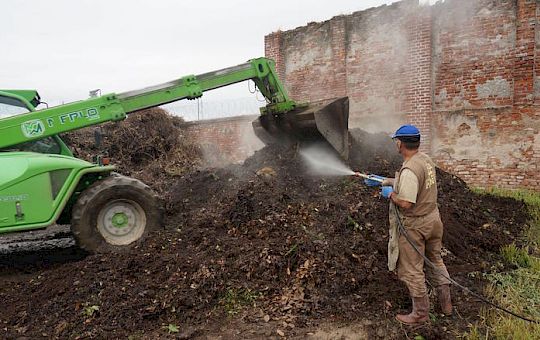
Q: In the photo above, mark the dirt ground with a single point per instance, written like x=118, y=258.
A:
x=250, y=251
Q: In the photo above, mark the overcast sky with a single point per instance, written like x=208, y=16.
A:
x=65, y=48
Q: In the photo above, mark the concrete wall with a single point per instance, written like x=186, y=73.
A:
x=463, y=71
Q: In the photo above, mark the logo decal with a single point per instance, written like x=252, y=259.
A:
x=33, y=128
x=14, y=198
x=92, y=114
x=430, y=180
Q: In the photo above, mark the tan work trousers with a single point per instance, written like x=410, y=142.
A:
x=426, y=232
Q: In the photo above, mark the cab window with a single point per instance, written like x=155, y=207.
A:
x=8, y=109
x=11, y=107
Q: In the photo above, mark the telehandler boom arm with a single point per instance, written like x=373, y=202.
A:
x=114, y=107
x=282, y=117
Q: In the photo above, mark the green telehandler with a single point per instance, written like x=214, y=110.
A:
x=41, y=183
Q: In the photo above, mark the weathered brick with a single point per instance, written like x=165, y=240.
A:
x=224, y=141
x=463, y=71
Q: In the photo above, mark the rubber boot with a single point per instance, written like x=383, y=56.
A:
x=419, y=313
x=445, y=300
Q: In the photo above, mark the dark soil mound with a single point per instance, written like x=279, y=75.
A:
x=149, y=145
x=290, y=248
x=373, y=153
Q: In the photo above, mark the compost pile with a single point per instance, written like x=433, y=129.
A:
x=149, y=145
x=262, y=241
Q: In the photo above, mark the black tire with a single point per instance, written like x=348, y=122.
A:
x=114, y=214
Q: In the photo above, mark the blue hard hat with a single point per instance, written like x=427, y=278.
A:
x=407, y=131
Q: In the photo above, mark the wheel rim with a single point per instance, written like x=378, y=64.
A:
x=121, y=222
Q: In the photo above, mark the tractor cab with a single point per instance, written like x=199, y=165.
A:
x=14, y=102
x=17, y=102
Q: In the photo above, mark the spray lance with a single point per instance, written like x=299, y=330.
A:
x=376, y=181
x=375, y=178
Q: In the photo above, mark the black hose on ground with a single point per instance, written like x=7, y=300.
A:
x=403, y=231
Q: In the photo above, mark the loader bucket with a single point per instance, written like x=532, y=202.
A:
x=327, y=120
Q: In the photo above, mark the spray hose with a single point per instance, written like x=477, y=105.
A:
x=370, y=177
x=403, y=231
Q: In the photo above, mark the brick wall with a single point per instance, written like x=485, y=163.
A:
x=485, y=120
x=224, y=141
x=418, y=98
x=464, y=71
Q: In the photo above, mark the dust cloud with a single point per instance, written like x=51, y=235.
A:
x=324, y=162
x=429, y=2
x=247, y=138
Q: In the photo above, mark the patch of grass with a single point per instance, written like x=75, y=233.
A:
x=475, y=333
x=518, y=290
x=234, y=299
x=517, y=256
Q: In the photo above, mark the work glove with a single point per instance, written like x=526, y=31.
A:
x=372, y=182
x=386, y=191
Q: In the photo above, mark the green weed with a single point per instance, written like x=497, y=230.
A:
x=234, y=299
x=90, y=310
x=171, y=328
x=351, y=223
x=292, y=250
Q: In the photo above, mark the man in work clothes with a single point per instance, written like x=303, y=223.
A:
x=414, y=194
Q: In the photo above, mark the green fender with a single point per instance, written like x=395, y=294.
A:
x=35, y=188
